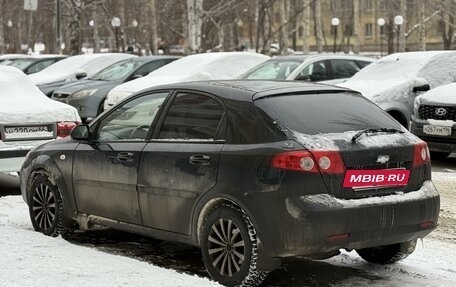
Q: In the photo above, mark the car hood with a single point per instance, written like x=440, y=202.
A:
x=385, y=90
x=86, y=85
x=444, y=95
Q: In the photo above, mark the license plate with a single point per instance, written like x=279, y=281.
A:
x=25, y=132
x=437, y=130
x=363, y=178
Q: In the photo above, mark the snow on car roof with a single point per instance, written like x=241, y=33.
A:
x=402, y=69
x=90, y=63
x=22, y=102
x=208, y=66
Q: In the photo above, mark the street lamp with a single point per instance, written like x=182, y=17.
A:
x=381, y=23
x=91, y=23
x=398, y=20
x=335, y=22
x=115, y=23
x=9, y=24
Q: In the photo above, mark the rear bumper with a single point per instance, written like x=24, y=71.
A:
x=435, y=143
x=319, y=224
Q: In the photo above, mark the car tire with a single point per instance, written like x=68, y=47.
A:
x=231, y=260
x=46, y=208
x=438, y=155
x=387, y=254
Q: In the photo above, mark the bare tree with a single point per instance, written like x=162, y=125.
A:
x=402, y=38
x=356, y=26
x=422, y=26
x=318, y=26
x=447, y=22
x=305, y=26
x=152, y=25
x=283, y=27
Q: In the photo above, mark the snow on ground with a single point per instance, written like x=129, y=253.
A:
x=28, y=258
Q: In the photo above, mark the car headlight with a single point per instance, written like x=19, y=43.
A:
x=83, y=94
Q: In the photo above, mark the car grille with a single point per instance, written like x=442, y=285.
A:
x=429, y=112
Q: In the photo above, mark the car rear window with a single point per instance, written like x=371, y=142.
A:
x=324, y=113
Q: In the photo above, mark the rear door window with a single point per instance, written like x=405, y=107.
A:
x=324, y=113
x=192, y=117
x=343, y=68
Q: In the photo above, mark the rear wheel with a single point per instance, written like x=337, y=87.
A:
x=387, y=254
x=46, y=208
x=229, y=248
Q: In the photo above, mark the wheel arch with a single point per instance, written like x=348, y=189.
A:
x=47, y=167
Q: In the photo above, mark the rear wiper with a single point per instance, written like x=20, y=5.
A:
x=373, y=131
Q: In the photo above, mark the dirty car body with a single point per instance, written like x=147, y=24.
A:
x=276, y=153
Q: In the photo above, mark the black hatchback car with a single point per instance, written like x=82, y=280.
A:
x=250, y=171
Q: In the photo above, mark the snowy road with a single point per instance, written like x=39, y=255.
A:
x=92, y=258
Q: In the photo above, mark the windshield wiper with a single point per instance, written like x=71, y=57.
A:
x=374, y=131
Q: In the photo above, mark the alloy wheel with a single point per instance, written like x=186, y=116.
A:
x=44, y=206
x=226, y=247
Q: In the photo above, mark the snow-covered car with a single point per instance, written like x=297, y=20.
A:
x=73, y=69
x=28, y=118
x=434, y=120
x=323, y=68
x=88, y=96
x=208, y=66
x=34, y=64
x=252, y=172
x=394, y=81
x=8, y=58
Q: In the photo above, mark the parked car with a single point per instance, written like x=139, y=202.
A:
x=208, y=66
x=250, y=171
x=395, y=80
x=434, y=120
x=8, y=58
x=34, y=64
x=325, y=68
x=73, y=69
x=28, y=118
x=88, y=96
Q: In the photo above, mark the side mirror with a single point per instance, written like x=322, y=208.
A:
x=80, y=132
x=422, y=88
x=80, y=74
x=137, y=76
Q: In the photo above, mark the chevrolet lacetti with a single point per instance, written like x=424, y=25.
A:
x=252, y=172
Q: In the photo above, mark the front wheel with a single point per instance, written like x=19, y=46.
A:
x=387, y=254
x=229, y=248
x=46, y=208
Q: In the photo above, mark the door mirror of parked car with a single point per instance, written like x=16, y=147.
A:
x=80, y=74
x=137, y=76
x=422, y=88
x=80, y=132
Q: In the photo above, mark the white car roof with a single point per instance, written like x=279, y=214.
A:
x=207, y=66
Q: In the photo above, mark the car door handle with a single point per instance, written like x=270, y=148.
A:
x=124, y=156
x=200, y=160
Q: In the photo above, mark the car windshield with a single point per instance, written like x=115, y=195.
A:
x=21, y=64
x=324, y=113
x=116, y=72
x=272, y=70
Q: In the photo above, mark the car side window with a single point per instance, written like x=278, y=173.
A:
x=149, y=67
x=343, y=68
x=132, y=120
x=313, y=72
x=192, y=117
x=40, y=66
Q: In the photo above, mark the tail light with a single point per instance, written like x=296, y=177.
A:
x=421, y=154
x=64, y=128
x=324, y=161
